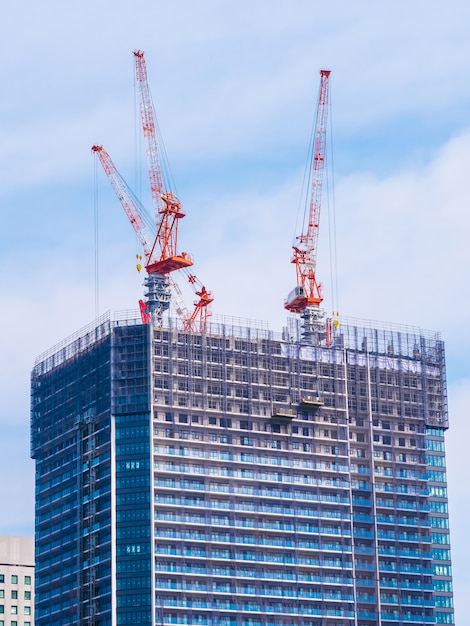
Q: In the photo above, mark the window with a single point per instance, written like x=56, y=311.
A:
x=27, y=595
x=436, y=446
x=14, y=594
x=14, y=579
x=14, y=609
x=435, y=460
x=439, y=522
x=436, y=432
x=2, y=593
x=438, y=507
x=442, y=585
x=27, y=610
x=437, y=477
x=2, y=608
x=2, y=578
x=439, y=554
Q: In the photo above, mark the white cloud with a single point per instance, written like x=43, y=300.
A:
x=235, y=82
x=402, y=241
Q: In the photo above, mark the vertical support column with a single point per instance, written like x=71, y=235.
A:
x=351, y=507
x=373, y=482
x=86, y=520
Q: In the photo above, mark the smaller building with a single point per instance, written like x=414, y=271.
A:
x=16, y=581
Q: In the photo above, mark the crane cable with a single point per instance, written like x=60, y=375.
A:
x=331, y=211
x=96, y=234
x=306, y=184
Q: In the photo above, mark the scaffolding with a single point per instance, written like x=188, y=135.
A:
x=284, y=478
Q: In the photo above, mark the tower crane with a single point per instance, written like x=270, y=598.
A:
x=197, y=320
x=166, y=206
x=160, y=250
x=306, y=298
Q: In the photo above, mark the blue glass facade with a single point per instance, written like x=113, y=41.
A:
x=71, y=444
x=251, y=479
x=132, y=463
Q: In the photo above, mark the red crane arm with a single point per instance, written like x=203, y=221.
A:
x=167, y=207
x=201, y=310
x=156, y=259
x=308, y=290
x=150, y=132
x=201, y=313
x=126, y=199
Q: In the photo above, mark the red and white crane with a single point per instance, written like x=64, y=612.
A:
x=306, y=298
x=166, y=206
x=160, y=241
x=195, y=320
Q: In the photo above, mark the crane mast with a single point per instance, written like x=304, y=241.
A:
x=306, y=298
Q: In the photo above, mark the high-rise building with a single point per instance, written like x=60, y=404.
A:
x=16, y=580
x=241, y=477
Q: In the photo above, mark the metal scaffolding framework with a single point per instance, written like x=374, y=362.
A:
x=260, y=479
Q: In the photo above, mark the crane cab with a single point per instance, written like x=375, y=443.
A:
x=296, y=300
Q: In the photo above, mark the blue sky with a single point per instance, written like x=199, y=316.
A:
x=235, y=83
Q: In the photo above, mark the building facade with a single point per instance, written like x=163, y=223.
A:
x=16, y=580
x=241, y=477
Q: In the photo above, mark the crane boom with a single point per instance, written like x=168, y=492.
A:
x=150, y=132
x=166, y=206
x=126, y=199
x=307, y=293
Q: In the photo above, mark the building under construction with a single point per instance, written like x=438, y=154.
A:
x=241, y=477
x=199, y=471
